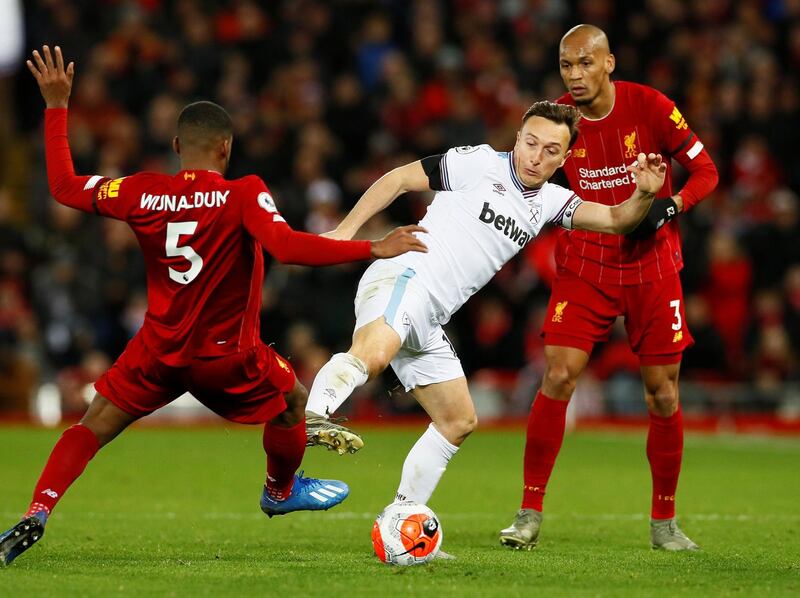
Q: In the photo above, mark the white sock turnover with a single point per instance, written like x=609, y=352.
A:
x=335, y=382
x=424, y=466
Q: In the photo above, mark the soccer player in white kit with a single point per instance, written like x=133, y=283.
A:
x=488, y=205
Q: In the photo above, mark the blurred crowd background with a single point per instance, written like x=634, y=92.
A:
x=326, y=97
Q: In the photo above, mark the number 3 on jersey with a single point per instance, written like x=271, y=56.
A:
x=174, y=231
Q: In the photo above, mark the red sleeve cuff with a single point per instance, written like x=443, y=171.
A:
x=366, y=249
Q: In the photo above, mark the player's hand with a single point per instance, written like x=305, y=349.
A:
x=399, y=241
x=55, y=82
x=649, y=171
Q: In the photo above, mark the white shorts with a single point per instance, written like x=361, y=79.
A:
x=426, y=355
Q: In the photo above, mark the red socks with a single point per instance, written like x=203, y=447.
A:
x=545, y=434
x=285, y=448
x=69, y=458
x=664, y=451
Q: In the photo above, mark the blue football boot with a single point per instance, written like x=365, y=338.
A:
x=19, y=538
x=308, y=494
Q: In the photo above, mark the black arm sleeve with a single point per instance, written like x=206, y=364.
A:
x=432, y=167
x=661, y=211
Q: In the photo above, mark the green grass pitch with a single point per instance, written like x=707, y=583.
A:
x=174, y=512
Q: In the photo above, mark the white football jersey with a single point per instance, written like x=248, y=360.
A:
x=481, y=219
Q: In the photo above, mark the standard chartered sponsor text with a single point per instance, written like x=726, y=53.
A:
x=609, y=177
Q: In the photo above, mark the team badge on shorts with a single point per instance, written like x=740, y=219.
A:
x=559, y=315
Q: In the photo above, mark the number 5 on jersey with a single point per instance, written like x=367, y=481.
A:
x=174, y=231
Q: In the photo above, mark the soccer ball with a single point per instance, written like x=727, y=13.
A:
x=407, y=533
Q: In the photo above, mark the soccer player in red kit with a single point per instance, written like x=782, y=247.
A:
x=603, y=276
x=202, y=238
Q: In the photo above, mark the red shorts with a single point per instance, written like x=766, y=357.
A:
x=581, y=314
x=246, y=387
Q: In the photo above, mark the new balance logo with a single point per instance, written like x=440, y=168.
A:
x=50, y=493
x=326, y=492
x=505, y=224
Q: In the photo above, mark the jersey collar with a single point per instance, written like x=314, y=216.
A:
x=527, y=192
x=192, y=173
x=607, y=114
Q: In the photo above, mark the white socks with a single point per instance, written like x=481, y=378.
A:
x=427, y=459
x=335, y=382
x=424, y=466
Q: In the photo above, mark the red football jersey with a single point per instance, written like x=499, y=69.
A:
x=201, y=236
x=641, y=120
x=203, y=274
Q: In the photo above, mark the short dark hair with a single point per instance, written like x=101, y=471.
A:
x=202, y=123
x=562, y=114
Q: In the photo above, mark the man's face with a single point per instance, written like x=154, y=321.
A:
x=585, y=68
x=541, y=148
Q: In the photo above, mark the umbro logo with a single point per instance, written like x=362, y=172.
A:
x=498, y=188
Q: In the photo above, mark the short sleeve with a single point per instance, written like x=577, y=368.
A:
x=462, y=168
x=559, y=205
x=675, y=136
x=114, y=198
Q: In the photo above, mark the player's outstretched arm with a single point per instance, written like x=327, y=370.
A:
x=289, y=246
x=55, y=84
x=649, y=172
x=383, y=192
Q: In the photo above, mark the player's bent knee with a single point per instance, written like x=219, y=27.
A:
x=377, y=361
x=105, y=420
x=559, y=381
x=457, y=430
x=297, y=398
x=467, y=425
x=471, y=425
x=102, y=432
x=664, y=401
